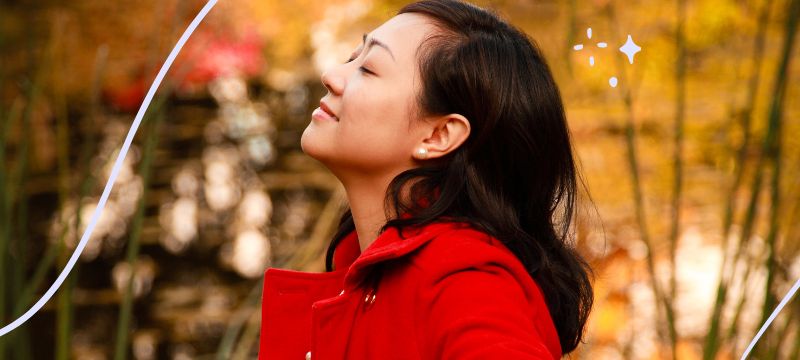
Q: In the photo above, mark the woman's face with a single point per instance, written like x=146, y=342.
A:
x=374, y=99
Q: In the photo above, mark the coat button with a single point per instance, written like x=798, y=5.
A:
x=308, y=355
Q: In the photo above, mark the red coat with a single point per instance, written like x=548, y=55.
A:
x=447, y=292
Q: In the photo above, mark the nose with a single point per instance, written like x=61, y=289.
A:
x=333, y=82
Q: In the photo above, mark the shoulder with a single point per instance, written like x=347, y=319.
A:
x=476, y=300
x=470, y=253
x=462, y=247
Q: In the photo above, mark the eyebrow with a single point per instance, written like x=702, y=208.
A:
x=374, y=41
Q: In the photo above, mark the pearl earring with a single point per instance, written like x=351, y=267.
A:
x=423, y=152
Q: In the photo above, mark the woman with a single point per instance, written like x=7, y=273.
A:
x=448, y=133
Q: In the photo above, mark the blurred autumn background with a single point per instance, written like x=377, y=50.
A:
x=691, y=159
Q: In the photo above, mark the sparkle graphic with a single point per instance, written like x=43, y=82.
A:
x=629, y=48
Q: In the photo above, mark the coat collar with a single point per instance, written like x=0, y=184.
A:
x=388, y=245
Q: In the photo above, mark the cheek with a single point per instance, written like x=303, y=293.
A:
x=376, y=132
x=373, y=134
x=381, y=134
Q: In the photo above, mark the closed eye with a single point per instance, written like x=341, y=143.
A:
x=360, y=68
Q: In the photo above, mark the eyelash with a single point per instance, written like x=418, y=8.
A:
x=360, y=68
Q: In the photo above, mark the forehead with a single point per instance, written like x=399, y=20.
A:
x=403, y=33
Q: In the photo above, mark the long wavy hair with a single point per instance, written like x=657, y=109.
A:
x=514, y=177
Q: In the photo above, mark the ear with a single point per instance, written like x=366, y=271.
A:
x=442, y=136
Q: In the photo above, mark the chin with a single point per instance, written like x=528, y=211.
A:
x=306, y=145
x=313, y=147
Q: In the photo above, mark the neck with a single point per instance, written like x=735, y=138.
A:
x=366, y=198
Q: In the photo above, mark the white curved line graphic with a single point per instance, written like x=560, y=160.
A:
x=764, y=327
x=114, y=172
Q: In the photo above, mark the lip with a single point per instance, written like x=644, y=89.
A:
x=325, y=108
x=320, y=114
